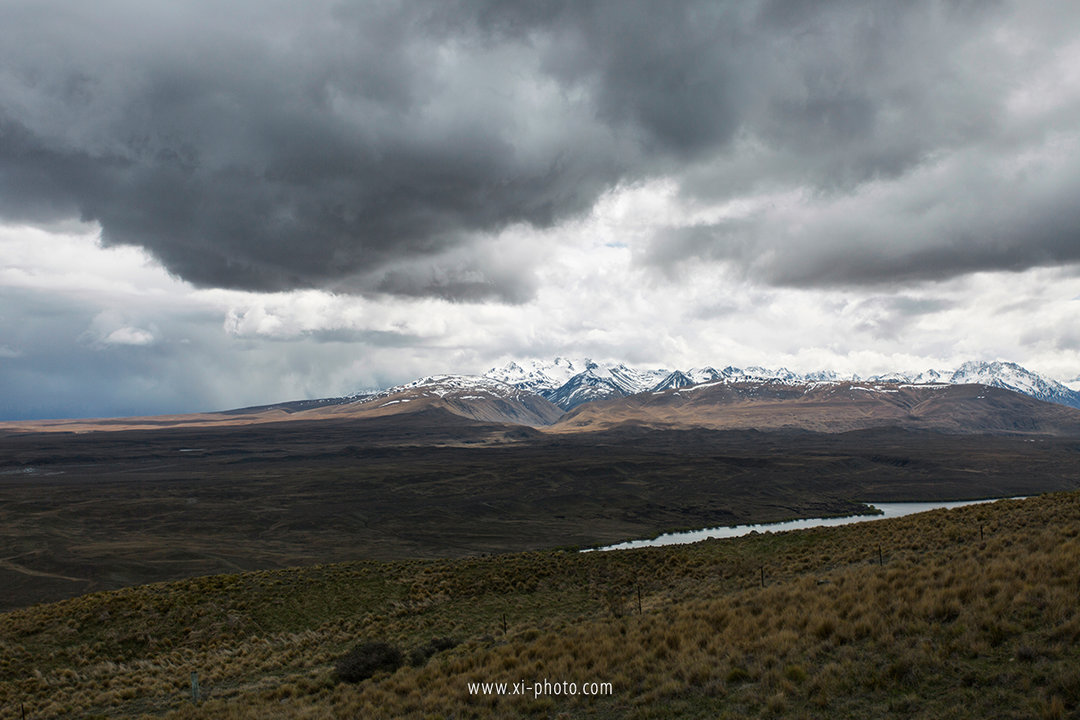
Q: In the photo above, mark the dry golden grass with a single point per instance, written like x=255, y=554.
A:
x=947, y=625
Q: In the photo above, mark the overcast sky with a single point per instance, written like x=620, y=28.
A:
x=205, y=205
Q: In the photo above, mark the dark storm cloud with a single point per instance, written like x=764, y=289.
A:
x=972, y=216
x=377, y=147
x=888, y=317
x=276, y=148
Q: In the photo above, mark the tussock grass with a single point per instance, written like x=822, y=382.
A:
x=953, y=622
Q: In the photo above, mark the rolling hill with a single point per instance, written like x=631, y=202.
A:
x=829, y=407
x=473, y=398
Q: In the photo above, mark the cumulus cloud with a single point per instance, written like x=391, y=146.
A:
x=376, y=148
x=110, y=328
x=129, y=336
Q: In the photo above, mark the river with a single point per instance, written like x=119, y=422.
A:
x=888, y=510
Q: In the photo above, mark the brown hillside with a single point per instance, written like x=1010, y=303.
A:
x=516, y=408
x=834, y=407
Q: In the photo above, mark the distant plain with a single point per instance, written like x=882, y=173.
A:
x=102, y=510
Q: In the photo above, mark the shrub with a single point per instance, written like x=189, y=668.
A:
x=419, y=656
x=366, y=659
x=795, y=673
x=1025, y=653
x=738, y=674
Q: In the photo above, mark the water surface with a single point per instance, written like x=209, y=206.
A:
x=888, y=510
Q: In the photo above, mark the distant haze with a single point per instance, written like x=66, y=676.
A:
x=205, y=206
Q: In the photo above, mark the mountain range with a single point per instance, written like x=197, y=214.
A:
x=581, y=395
x=570, y=383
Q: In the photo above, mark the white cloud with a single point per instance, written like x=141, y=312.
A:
x=129, y=336
x=71, y=261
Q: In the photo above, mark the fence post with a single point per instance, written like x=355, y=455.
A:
x=195, y=687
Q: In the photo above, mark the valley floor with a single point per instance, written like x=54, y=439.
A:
x=82, y=513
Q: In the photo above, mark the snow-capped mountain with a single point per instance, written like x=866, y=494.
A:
x=752, y=374
x=759, y=374
x=674, y=381
x=582, y=388
x=454, y=386
x=705, y=374
x=442, y=385
x=929, y=377
x=593, y=381
x=569, y=383
x=473, y=396
x=1006, y=375
x=597, y=382
x=538, y=376
x=1013, y=377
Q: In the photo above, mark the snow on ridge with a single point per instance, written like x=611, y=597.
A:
x=874, y=388
x=571, y=382
x=1010, y=376
x=443, y=385
x=538, y=375
x=702, y=386
x=558, y=382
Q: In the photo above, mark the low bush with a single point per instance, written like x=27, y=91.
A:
x=366, y=659
x=419, y=656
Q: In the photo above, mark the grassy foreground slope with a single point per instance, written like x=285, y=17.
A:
x=970, y=612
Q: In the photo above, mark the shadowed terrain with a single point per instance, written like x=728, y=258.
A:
x=99, y=510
